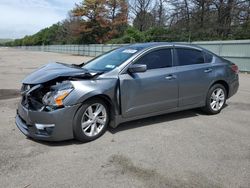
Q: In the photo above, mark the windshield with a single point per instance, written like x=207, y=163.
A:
x=110, y=60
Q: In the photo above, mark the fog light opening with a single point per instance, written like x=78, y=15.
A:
x=43, y=126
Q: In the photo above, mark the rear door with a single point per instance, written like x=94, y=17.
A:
x=194, y=75
x=151, y=91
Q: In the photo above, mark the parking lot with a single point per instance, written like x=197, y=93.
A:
x=184, y=149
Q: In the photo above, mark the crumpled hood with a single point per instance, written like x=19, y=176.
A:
x=53, y=71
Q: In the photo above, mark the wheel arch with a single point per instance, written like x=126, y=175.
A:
x=103, y=97
x=78, y=114
x=222, y=82
x=106, y=99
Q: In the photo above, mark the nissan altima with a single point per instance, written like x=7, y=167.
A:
x=61, y=101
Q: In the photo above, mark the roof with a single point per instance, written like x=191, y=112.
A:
x=141, y=46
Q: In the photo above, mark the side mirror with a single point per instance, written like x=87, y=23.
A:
x=137, y=68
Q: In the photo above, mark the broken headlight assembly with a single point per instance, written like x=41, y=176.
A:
x=55, y=97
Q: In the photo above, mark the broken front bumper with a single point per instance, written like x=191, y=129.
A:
x=61, y=119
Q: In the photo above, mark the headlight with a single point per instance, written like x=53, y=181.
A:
x=55, y=98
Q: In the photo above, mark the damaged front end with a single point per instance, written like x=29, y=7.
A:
x=42, y=112
x=46, y=88
x=45, y=97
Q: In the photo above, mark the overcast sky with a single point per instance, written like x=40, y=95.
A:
x=25, y=17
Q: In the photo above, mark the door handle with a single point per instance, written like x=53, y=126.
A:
x=208, y=70
x=170, y=77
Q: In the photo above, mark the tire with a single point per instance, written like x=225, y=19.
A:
x=86, y=127
x=215, y=102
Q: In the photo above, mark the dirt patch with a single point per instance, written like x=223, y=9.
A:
x=240, y=105
x=151, y=178
x=9, y=93
x=17, y=156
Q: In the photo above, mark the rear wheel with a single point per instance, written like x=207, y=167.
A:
x=91, y=120
x=216, y=98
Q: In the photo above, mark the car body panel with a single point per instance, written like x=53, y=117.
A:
x=62, y=118
x=53, y=71
x=143, y=93
x=193, y=82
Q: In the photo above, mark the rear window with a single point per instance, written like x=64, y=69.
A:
x=189, y=56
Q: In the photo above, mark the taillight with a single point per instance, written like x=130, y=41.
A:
x=235, y=68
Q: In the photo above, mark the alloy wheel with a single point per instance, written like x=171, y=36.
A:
x=94, y=119
x=217, y=99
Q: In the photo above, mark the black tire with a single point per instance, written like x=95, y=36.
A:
x=77, y=127
x=208, y=109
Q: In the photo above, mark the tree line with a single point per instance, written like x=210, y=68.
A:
x=128, y=21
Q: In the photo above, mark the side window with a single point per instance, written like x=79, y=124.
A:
x=157, y=59
x=208, y=57
x=189, y=56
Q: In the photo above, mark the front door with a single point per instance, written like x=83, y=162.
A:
x=152, y=91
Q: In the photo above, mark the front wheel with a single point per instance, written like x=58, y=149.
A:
x=91, y=120
x=216, y=98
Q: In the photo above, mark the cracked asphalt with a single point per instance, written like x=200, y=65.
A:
x=184, y=149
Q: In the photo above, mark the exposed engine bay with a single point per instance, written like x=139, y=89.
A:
x=35, y=97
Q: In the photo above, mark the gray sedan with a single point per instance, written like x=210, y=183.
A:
x=61, y=101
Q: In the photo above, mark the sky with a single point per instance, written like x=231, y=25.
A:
x=26, y=17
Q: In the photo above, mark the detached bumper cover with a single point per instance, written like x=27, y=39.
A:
x=62, y=118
